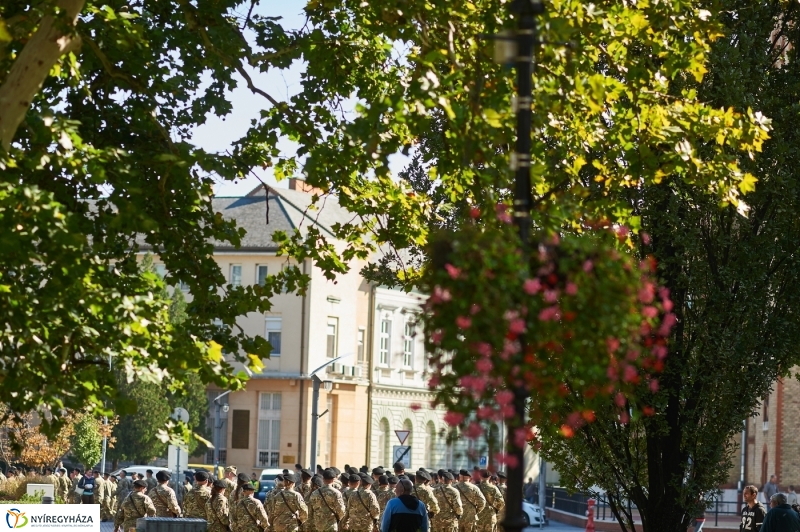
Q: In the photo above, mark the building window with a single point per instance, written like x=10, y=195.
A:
x=236, y=275
x=333, y=329
x=240, y=429
x=384, y=350
x=360, y=345
x=384, y=453
x=269, y=430
x=273, y=335
x=431, y=433
x=261, y=274
x=408, y=344
x=329, y=429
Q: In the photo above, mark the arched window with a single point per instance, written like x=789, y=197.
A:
x=384, y=453
x=433, y=459
x=764, y=466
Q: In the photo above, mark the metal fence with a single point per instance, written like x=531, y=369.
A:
x=577, y=504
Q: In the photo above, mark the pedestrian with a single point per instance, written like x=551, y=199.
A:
x=217, y=508
x=195, y=503
x=383, y=494
x=529, y=491
x=781, y=517
x=163, y=496
x=449, y=503
x=423, y=492
x=87, y=483
x=290, y=509
x=472, y=500
x=326, y=505
x=255, y=482
x=404, y=513
x=753, y=512
x=487, y=518
x=135, y=506
x=791, y=497
x=248, y=514
x=770, y=488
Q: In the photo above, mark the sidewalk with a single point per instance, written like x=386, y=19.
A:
x=726, y=523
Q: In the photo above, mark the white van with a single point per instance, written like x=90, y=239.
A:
x=141, y=469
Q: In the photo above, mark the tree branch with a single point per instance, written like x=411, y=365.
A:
x=53, y=39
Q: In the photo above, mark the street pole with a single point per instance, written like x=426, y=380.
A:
x=105, y=436
x=542, y=484
x=525, y=11
x=217, y=426
x=315, y=382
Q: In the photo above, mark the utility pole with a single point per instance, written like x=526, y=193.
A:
x=217, y=426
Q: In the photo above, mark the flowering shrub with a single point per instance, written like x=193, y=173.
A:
x=593, y=321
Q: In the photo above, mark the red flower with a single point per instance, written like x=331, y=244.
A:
x=453, y=418
x=464, y=322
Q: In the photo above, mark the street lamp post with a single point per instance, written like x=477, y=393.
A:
x=217, y=426
x=525, y=11
x=315, y=382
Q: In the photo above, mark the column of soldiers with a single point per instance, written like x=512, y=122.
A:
x=328, y=501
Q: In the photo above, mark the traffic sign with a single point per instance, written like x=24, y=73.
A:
x=402, y=453
x=483, y=461
x=402, y=435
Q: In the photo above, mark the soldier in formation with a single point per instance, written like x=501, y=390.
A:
x=163, y=496
x=487, y=518
x=151, y=482
x=135, y=506
x=247, y=514
x=238, y=492
x=424, y=493
x=124, y=486
x=288, y=509
x=472, y=501
x=326, y=505
x=383, y=493
x=450, y=508
x=230, y=480
x=362, y=512
x=218, y=515
x=195, y=502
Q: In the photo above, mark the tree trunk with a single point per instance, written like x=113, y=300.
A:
x=52, y=39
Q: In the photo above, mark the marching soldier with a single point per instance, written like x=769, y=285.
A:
x=424, y=493
x=248, y=514
x=194, y=505
x=238, y=493
x=135, y=506
x=472, y=501
x=449, y=504
x=217, y=508
x=124, y=487
x=501, y=485
x=487, y=518
x=268, y=500
x=112, y=498
x=305, y=487
x=289, y=508
x=383, y=493
x=164, y=497
x=151, y=482
x=337, y=482
x=327, y=505
x=229, y=480
x=362, y=510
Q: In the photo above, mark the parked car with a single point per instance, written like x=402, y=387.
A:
x=141, y=469
x=533, y=514
x=267, y=482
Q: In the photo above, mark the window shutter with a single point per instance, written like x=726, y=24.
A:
x=240, y=437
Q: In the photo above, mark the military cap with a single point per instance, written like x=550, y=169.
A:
x=114, y=477
x=399, y=466
x=423, y=474
x=231, y=469
x=366, y=479
x=448, y=475
x=328, y=474
x=243, y=478
x=278, y=478
x=288, y=477
x=484, y=473
x=248, y=487
x=201, y=476
x=162, y=475
x=285, y=471
x=139, y=484
x=476, y=468
x=336, y=471
x=345, y=477
x=220, y=484
x=501, y=474
x=464, y=473
x=307, y=472
x=317, y=481
x=393, y=480
x=354, y=478
x=383, y=480
x=378, y=471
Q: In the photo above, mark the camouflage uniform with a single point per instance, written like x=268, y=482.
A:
x=384, y=495
x=287, y=507
x=472, y=501
x=217, y=512
x=451, y=510
x=361, y=511
x=248, y=515
x=135, y=506
x=235, y=496
x=501, y=515
x=111, y=502
x=425, y=494
x=337, y=484
x=165, y=501
x=76, y=499
x=304, y=490
x=327, y=509
x=100, y=494
x=151, y=483
x=124, y=487
x=194, y=505
x=268, y=502
x=346, y=494
x=230, y=486
x=63, y=487
x=487, y=518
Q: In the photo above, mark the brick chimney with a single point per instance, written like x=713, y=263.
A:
x=295, y=183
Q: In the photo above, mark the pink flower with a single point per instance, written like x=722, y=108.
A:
x=663, y=293
x=654, y=385
x=517, y=326
x=551, y=296
x=453, y=419
x=647, y=293
x=612, y=343
x=509, y=348
x=631, y=375
x=433, y=382
x=483, y=349
x=667, y=304
x=474, y=309
x=508, y=411
x=485, y=412
x=649, y=311
x=571, y=289
x=436, y=337
x=439, y=295
x=619, y=399
x=415, y=406
x=474, y=213
x=624, y=418
x=484, y=365
x=612, y=372
x=511, y=315
x=645, y=238
x=532, y=286
x=452, y=271
x=522, y=436
x=660, y=352
x=550, y=313
x=473, y=430
x=504, y=397
x=623, y=231
x=666, y=326
x=464, y=322
x=588, y=266
x=502, y=213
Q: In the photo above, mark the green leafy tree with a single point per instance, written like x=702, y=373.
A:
x=137, y=433
x=87, y=441
x=734, y=283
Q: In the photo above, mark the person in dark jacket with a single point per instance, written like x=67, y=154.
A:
x=405, y=513
x=781, y=517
